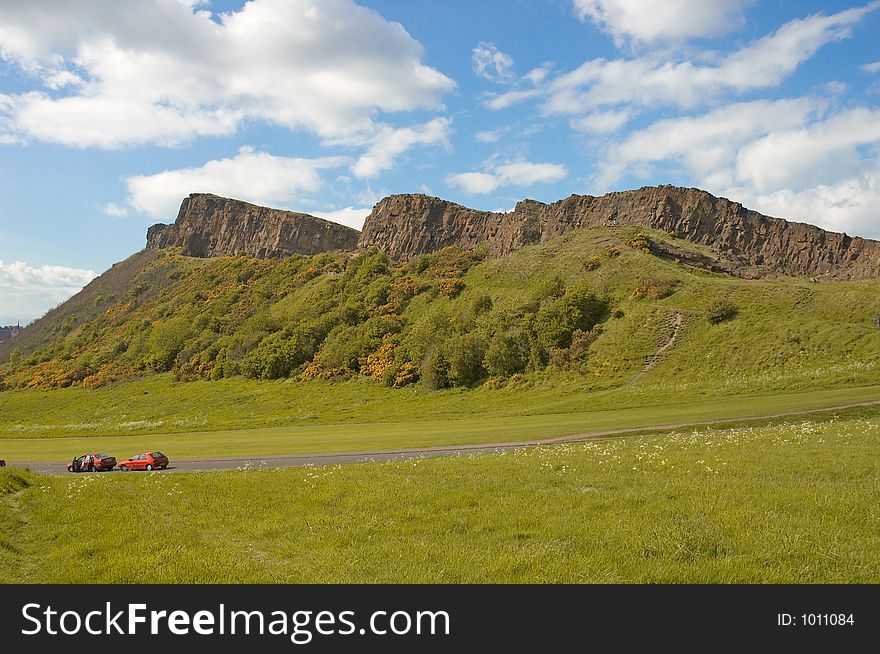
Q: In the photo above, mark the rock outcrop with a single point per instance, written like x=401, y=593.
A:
x=211, y=226
x=746, y=242
x=404, y=226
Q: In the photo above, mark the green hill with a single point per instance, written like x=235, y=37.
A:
x=593, y=318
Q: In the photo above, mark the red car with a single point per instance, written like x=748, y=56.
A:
x=145, y=461
x=95, y=462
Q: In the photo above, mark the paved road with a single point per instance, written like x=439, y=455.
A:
x=334, y=458
x=298, y=460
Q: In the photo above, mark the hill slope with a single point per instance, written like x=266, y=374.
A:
x=595, y=308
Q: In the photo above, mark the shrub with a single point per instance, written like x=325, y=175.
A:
x=408, y=373
x=617, y=312
x=506, y=355
x=345, y=346
x=611, y=251
x=450, y=287
x=720, y=310
x=581, y=341
x=277, y=355
x=377, y=364
x=166, y=339
x=377, y=293
x=554, y=323
x=549, y=288
x=592, y=263
x=481, y=305
x=655, y=288
x=639, y=241
x=576, y=353
x=137, y=289
x=451, y=261
x=399, y=293
x=435, y=371
x=465, y=354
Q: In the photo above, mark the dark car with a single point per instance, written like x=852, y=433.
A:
x=145, y=461
x=95, y=462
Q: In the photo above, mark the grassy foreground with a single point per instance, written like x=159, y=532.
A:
x=791, y=503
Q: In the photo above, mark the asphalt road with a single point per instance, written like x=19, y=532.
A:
x=292, y=460
x=335, y=458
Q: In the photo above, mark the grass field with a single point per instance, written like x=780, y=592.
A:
x=518, y=425
x=789, y=503
x=783, y=500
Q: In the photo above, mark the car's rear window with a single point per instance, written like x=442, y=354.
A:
x=157, y=455
x=102, y=455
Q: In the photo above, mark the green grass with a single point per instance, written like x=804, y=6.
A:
x=489, y=428
x=792, y=503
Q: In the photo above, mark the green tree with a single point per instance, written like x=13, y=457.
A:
x=435, y=371
x=465, y=354
x=277, y=355
x=167, y=338
x=506, y=355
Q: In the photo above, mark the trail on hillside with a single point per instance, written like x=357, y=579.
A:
x=651, y=361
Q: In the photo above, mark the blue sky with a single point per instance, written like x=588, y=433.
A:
x=111, y=112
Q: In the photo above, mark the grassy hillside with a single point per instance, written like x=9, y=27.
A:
x=793, y=503
x=91, y=302
x=587, y=322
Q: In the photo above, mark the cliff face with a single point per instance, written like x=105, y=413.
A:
x=211, y=226
x=748, y=243
x=404, y=226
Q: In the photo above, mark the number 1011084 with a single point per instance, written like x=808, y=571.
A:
x=815, y=620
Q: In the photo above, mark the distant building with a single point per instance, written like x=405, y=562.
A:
x=9, y=332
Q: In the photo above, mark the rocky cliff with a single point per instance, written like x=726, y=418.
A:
x=211, y=226
x=407, y=225
x=747, y=243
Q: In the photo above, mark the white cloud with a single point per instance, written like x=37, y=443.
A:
x=601, y=122
x=873, y=67
x=7, y=127
x=517, y=173
x=27, y=292
x=835, y=88
x=63, y=78
x=822, y=153
x=505, y=100
x=524, y=173
x=350, y=216
x=492, y=64
x=538, y=75
x=785, y=158
x=114, y=210
x=474, y=182
x=256, y=177
x=162, y=71
x=648, y=20
x=706, y=145
x=654, y=80
x=391, y=142
x=849, y=205
x=488, y=136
